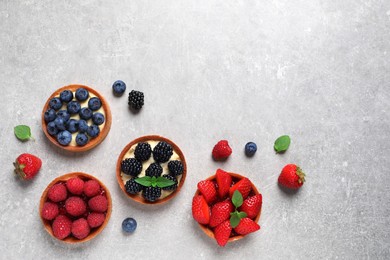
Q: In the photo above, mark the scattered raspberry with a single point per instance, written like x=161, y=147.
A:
x=91, y=188
x=61, y=226
x=222, y=150
x=49, y=211
x=75, y=206
x=75, y=185
x=98, y=203
x=96, y=219
x=80, y=228
x=57, y=192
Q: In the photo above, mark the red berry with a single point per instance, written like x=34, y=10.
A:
x=252, y=205
x=57, y=192
x=27, y=166
x=98, y=203
x=224, y=180
x=222, y=232
x=220, y=212
x=96, y=219
x=244, y=186
x=91, y=188
x=222, y=150
x=200, y=210
x=75, y=185
x=208, y=190
x=246, y=226
x=75, y=206
x=80, y=228
x=49, y=211
x=291, y=177
x=61, y=227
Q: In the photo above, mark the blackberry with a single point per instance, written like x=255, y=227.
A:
x=142, y=151
x=172, y=178
x=136, y=99
x=162, y=152
x=151, y=193
x=132, y=187
x=131, y=166
x=175, y=168
x=154, y=169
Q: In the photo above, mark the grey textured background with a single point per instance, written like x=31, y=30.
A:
x=210, y=70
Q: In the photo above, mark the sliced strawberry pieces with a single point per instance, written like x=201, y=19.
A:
x=220, y=212
x=252, y=205
x=222, y=232
x=208, y=190
x=244, y=186
x=200, y=210
x=246, y=226
x=224, y=181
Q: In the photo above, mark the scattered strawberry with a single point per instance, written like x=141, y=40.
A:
x=96, y=219
x=98, y=203
x=49, y=211
x=291, y=177
x=207, y=189
x=246, y=226
x=222, y=232
x=221, y=150
x=62, y=227
x=252, y=205
x=244, y=186
x=80, y=228
x=224, y=180
x=27, y=166
x=57, y=192
x=91, y=188
x=75, y=206
x=200, y=210
x=220, y=212
x=75, y=185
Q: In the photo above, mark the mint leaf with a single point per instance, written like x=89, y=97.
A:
x=237, y=199
x=22, y=132
x=282, y=143
x=242, y=214
x=234, y=219
x=163, y=182
x=144, y=181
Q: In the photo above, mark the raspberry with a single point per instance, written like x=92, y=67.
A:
x=91, y=188
x=162, y=152
x=80, y=228
x=57, y=192
x=131, y=166
x=175, y=167
x=154, y=169
x=132, y=187
x=49, y=211
x=75, y=185
x=98, y=203
x=142, y=152
x=61, y=226
x=96, y=219
x=75, y=206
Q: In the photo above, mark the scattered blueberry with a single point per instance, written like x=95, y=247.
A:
x=119, y=87
x=73, y=107
x=81, y=139
x=52, y=128
x=50, y=115
x=55, y=103
x=83, y=126
x=93, y=131
x=98, y=118
x=66, y=96
x=82, y=94
x=64, y=137
x=94, y=103
x=60, y=123
x=250, y=149
x=129, y=225
x=72, y=125
x=85, y=113
x=63, y=114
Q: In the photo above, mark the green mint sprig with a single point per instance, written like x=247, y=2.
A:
x=282, y=143
x=236, y=216
x=23, y=132
x=148, y=181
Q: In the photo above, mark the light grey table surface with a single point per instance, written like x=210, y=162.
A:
x=210, y=70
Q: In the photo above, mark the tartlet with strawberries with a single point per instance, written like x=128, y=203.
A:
x=227, y=206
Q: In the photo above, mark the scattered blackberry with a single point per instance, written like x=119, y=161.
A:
x=142, y=151
x=151, y=193
x=136, y=99
x=172, y=178
x=162, y=152
x=175, y=168
x=131, y=166
x=154, y=169
x=132, y=187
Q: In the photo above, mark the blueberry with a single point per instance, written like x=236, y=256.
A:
x=119, y=87
x=50, y=115
x=82, y=94
x=85, y=113
x=55, y=103
x=66, y=96
x=83, y=126
x=129, y=225
x=52, y=128
x=93, y=131
x=81, y=139
x=64, y=115
x=60, y=123
x=73, y=107
x=72, y=125
x=98, y=118
x=64, y=137
x=94, y=103
x=250, y=149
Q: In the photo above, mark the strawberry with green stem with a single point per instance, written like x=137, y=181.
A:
x=27, y=166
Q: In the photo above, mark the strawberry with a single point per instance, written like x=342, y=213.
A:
x=224, y=180
x=246, y=226
x=200, y=210
x=98, y=203
x=80, y=228
x=220, y=212
x=291, y=177
x=27, y=166
x=221, y=150
x=208, y=190
x=61, y=226
x=244, y=186
x=222, y=232
x=252, y=205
